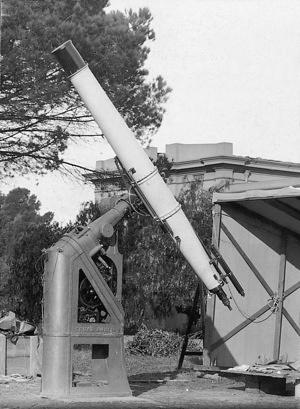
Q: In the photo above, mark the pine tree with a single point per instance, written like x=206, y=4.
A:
x=40, y=111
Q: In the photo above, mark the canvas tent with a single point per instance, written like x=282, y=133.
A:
x=257, y=230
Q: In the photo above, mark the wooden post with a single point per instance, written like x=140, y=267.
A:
x=35, y=358
x=202, y=307
x=33, y=355
x=189, y=327
x=281, y=282
x=3, y=355
x=297, y=388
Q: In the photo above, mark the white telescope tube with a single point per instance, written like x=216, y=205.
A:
x=137, y=163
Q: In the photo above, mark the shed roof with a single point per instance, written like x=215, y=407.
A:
x=278, y=203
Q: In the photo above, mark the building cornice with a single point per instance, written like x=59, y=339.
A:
x=232, y=161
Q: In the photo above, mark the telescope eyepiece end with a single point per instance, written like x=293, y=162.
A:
x=222, y=296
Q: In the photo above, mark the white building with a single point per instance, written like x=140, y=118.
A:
x=214, y=165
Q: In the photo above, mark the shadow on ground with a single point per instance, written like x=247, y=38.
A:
x=144, y=382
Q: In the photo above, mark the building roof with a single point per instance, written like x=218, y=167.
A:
x=239, y=161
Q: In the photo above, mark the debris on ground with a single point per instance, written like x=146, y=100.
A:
x=270, y=369
x=154, y=342
x=283, y=369
x=6, y=379
x=240, y=368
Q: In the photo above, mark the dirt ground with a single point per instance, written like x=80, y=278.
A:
x=155, y=384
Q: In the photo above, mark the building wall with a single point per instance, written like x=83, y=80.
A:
x=180, y=152
x=216, y=178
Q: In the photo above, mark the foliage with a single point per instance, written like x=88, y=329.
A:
x=164, y=166
x=156, y=273
x=89, y=212
x=154, y=343
x=24, y=233
x=26, y=268
x=40, y=110
x=197, y=205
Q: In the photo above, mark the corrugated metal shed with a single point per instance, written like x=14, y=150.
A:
x=257, y=230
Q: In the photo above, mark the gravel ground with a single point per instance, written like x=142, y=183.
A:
x=155, y=384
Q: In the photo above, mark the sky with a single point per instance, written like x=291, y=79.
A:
x=234, y=67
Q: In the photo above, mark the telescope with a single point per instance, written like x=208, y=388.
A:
x=143, y=175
